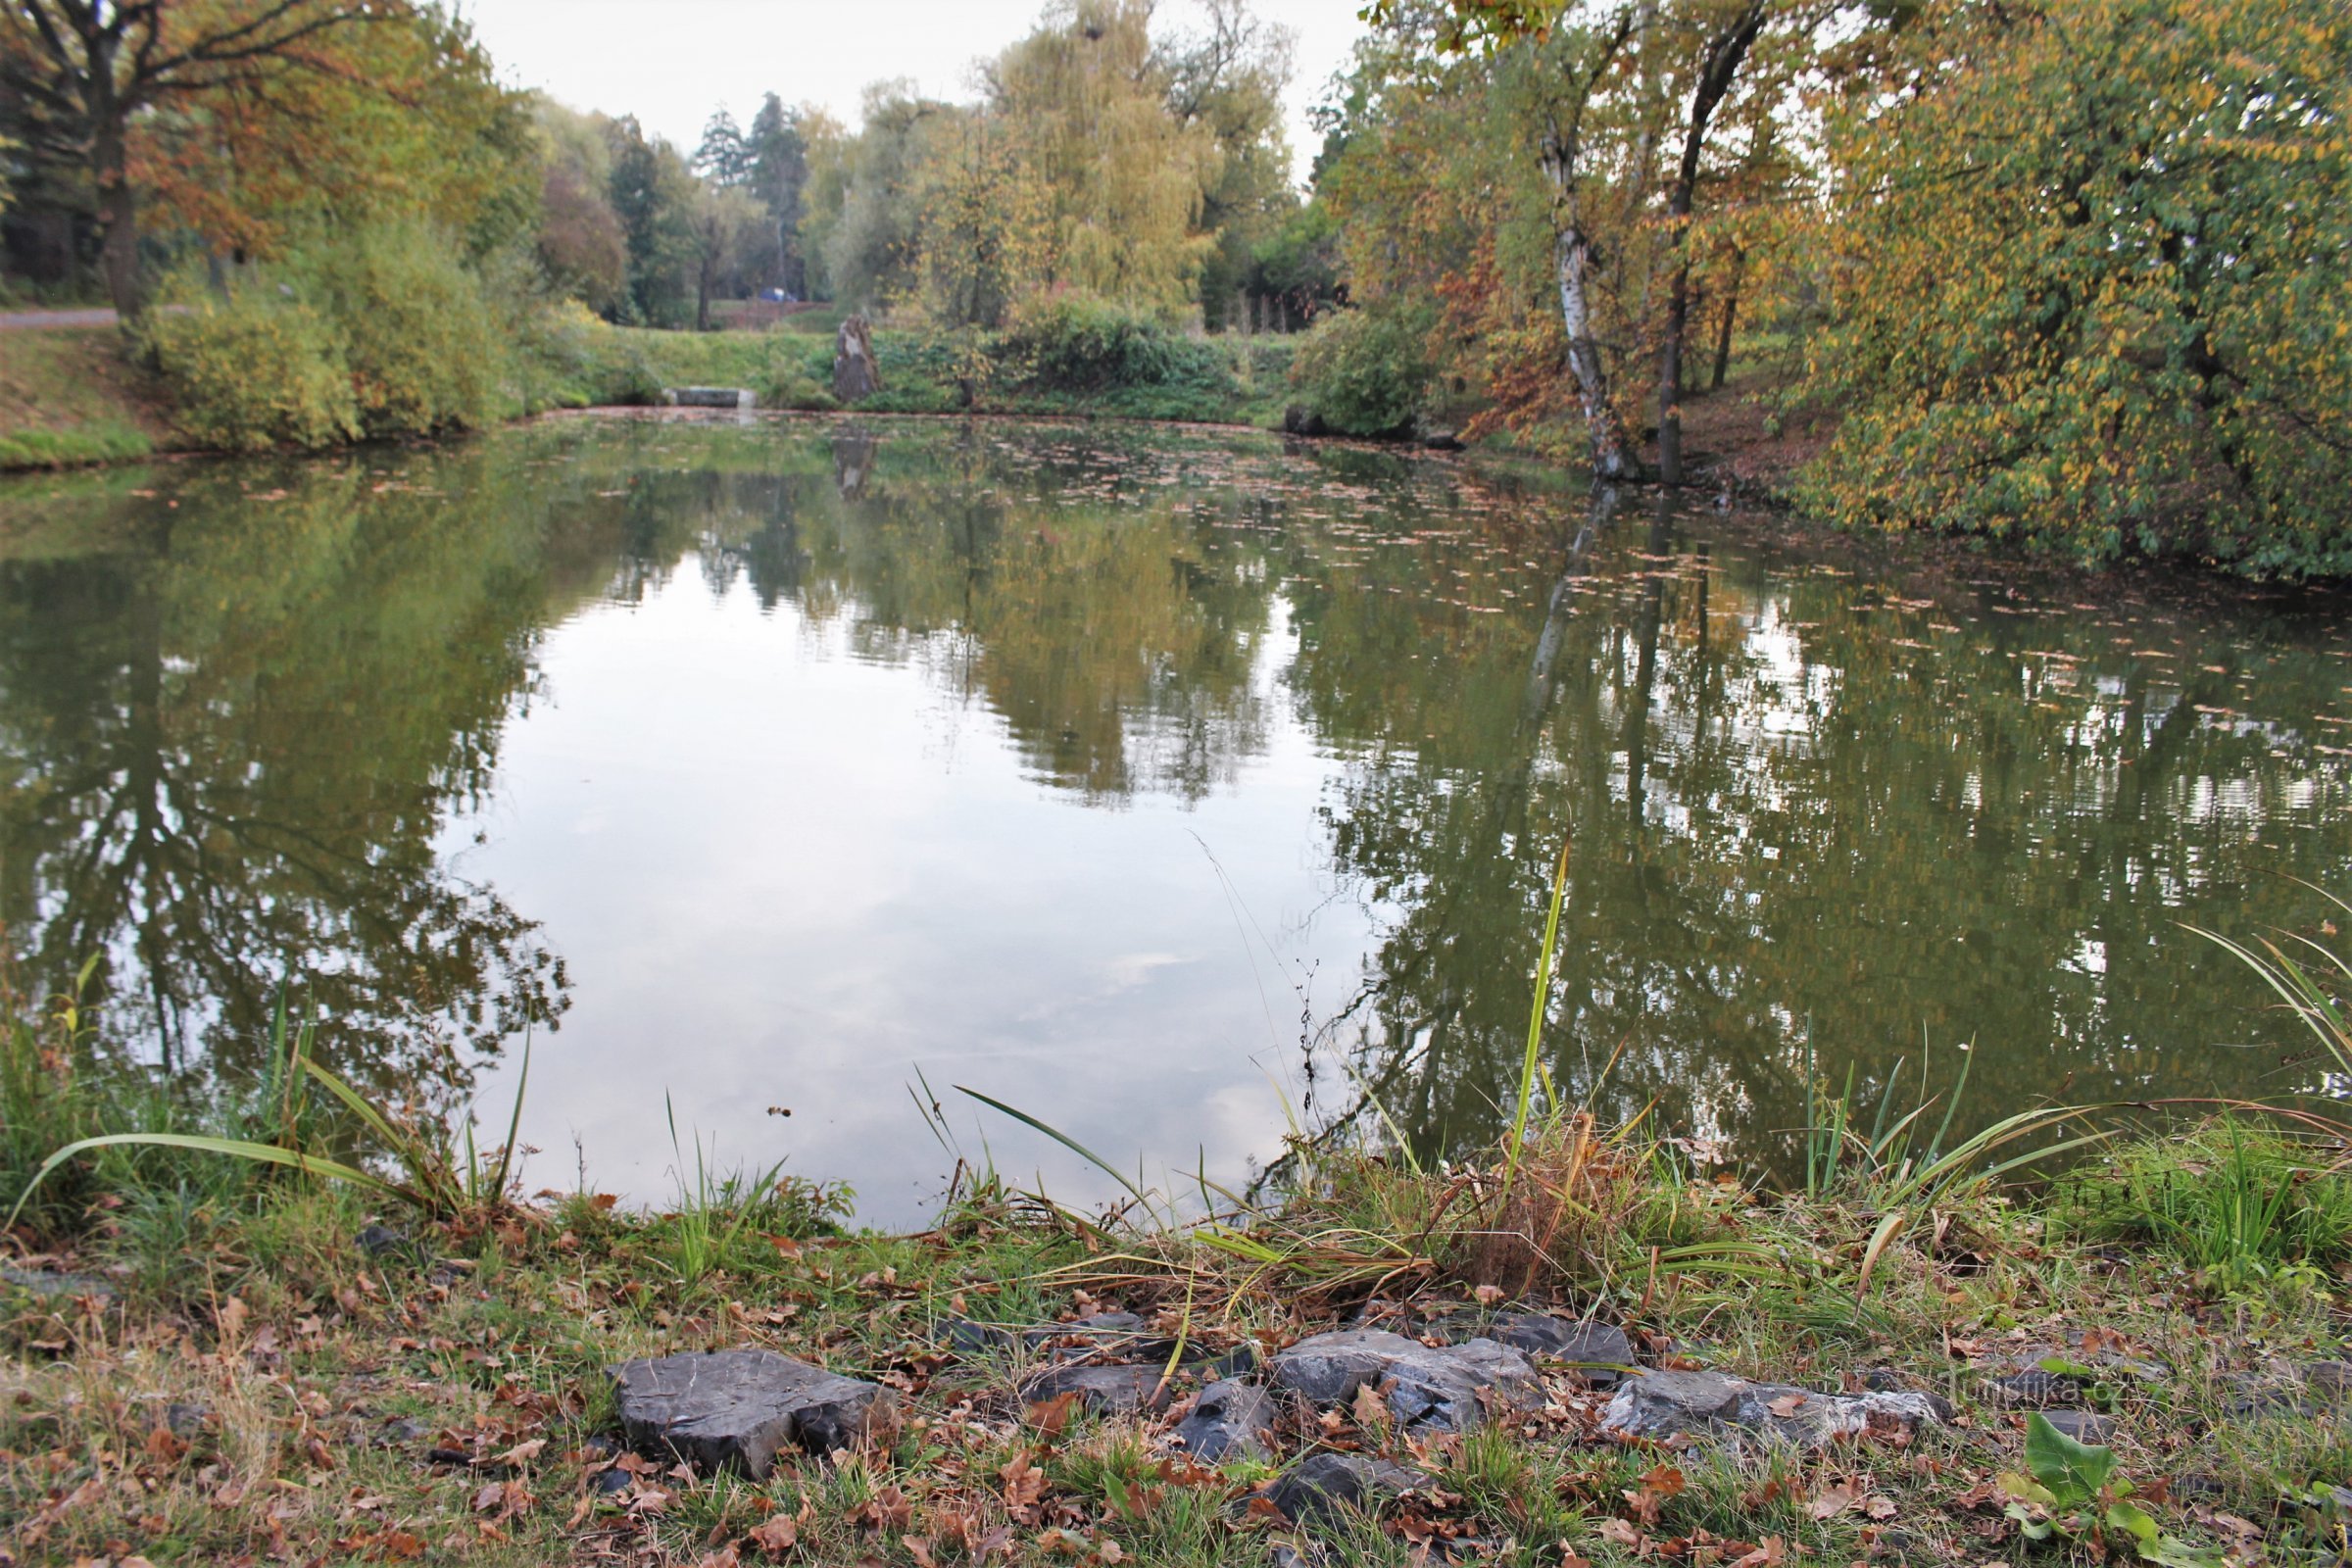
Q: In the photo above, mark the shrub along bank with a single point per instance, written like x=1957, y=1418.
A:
x=388, y=335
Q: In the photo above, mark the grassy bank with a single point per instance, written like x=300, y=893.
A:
x=75, y=396
x=212, y=1359
x=71, y=396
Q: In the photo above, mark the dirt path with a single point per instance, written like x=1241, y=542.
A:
x=22, y=321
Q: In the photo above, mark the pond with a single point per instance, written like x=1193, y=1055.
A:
x=1180, y=788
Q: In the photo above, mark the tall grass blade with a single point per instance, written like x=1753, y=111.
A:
x=1535, y=1021
x=1061, y=1138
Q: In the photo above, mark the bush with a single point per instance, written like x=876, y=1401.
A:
x=257, y=372
x=1364, y=372
x=792, y=380
x=425, y=349
x=1078, y=344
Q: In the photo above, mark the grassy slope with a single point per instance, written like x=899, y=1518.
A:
x=69, y=396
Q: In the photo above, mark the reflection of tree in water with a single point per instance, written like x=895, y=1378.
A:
x=230, y=745
x=1787, y=821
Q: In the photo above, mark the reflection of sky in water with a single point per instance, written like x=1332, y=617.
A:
x=783, y=875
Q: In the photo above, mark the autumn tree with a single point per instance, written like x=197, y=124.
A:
x=81, y=75
x=580, y=243
x=1230, y=78
x=1087, y=95
x=2095, y=280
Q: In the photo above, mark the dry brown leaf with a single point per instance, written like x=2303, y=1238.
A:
x=1831, y=1501
x=775, y=1535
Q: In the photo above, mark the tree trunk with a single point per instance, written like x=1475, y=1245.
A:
x=1572, y=257
x=702, y=297
x=1731, y=315
x=1724, y=57
x=118, y=219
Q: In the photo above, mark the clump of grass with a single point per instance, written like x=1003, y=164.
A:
x=732, y=1220
x=2234, y=1200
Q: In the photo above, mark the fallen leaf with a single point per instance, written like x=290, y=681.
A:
x=775, y=1535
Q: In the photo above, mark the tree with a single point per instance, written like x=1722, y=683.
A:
x=776, y=150
x=2096, y=281
x=581, y=244
x=1626, y=99
x=83, y=71
x=723, y=158
x=1087, y=97
x=1230, y=79
x=984, y=223
x=653, y=193
x=728, y=228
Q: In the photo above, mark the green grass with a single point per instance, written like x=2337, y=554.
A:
x=107, y=441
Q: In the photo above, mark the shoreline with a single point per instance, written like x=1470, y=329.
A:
x=1596, y=1353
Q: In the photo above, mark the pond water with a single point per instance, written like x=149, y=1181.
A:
x=1176, y=787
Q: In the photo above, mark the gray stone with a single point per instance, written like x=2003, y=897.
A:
x=1230, y=1420
x=1442, y=441
x=185, y=1419
x=1444, y=1390
x=57, y=1284
x=855, y=371
x=1657, y=1406
x=735, y=1409
x=1600, y=1351
x=382, y=1241
x=2329, y=1380
x=1104, y=1390
x=2080, y=1425
x=709, y=397
x=609, y=1482
x=1327, y=1486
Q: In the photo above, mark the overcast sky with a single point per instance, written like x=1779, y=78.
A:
x=672, y=62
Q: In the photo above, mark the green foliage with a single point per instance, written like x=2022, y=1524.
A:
x=421, y=342
x=2100, y=295
x=1364, y=373
x=2073, y=1489
x=257, y=372
x=2240, y=1203
x=1082, y=344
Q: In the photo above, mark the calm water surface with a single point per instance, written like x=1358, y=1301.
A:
x=1169, y=785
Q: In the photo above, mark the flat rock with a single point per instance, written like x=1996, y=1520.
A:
x=1442, y=1390
x=57, y=1284
x=1230, y=1420
x=735, y=1409
x=1600, y=1351
x=1327, y=1486
x=1104, y=1390
x=1664, y=1404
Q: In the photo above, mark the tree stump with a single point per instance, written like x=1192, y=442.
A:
x=856, y=375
